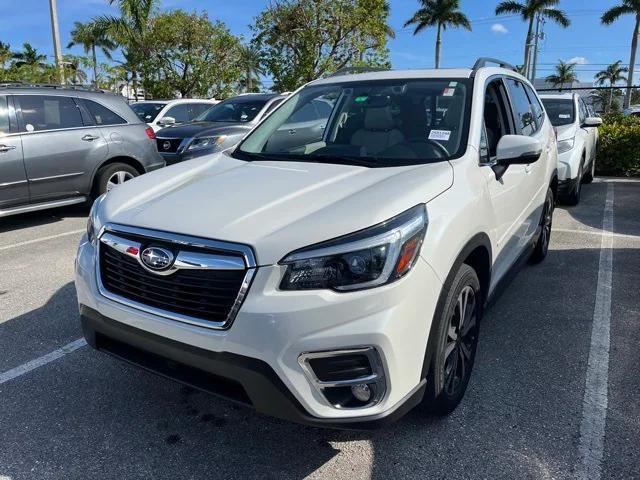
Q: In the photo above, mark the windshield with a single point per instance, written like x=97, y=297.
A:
x=237, y=109
x=369, y=123
x=561, y=111
x=147, y=112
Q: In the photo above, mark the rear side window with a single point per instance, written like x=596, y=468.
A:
x=182, y=113
x=102, y=115
x=525, y=118
x=44, y=112
x=4, y=116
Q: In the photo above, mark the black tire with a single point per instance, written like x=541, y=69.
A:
x=591, y=174
x=454, y=355
x=541, y=247
x=573, y=198
x=105, y=176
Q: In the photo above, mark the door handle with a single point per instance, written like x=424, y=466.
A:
x=90, y=138
x=6, y=148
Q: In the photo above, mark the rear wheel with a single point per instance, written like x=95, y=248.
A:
x=113, y=175
x=457, y=338
x=542, y=245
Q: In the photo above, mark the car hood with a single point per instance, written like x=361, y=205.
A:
x=566, y=132
x=199, y=129
x=275, y=207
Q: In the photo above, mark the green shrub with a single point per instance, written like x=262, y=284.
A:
x=619, y=146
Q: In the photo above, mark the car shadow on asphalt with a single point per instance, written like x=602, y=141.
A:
x=90, y=416
x=42, y=217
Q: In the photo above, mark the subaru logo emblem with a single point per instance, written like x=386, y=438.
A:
x=156, y=258
x=166, y=145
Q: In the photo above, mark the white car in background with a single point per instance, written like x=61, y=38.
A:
x=159, y=114
x=577, y=135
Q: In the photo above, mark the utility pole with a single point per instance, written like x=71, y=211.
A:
x=539, y=36
x=56, y=39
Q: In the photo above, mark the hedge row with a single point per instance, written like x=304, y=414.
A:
x=619, y=146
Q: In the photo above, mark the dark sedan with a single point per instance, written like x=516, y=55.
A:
x=220, y=127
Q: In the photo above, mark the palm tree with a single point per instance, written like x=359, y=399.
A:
x=131, y=30
x=92, y=38
x=613, y=74
x=5, y=54
x=614, y=13
x=565, y=73
x=250, y=60
x=529, y=9
x=440, y=14
x=73, y=68
x=29, y=56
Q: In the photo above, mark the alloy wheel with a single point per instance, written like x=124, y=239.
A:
x=547, y=220
x=460, y=341
x=118, y=178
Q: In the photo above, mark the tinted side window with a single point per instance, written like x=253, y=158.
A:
x=305, y=114
x=273, y=105
x=102, y=115
x=525, y=118
x=180, y=112
x=198, y=108
x=4, y=116
x=536, y=106
x=44, y=112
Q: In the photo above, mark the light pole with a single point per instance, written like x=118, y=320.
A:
x=55, y=32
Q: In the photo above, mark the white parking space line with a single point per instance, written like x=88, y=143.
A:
x=39, y=362
x=597, y=232
x=41, y=239
x=594, y=406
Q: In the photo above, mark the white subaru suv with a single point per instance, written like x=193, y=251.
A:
x=577, y=134
x=338, y=277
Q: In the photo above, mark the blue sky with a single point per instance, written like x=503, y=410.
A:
x=590, y=44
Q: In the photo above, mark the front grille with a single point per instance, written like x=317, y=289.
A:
x=171, y=143
x=207, y=295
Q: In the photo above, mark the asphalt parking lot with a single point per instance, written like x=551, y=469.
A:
x=533, y=408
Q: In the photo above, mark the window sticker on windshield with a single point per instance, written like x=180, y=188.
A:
x=361, y=98
x=448, y=92
x=564, y=115
x=439, y=135
x=453, y=84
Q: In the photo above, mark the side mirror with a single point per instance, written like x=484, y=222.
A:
x=592, y=122
x=515, y=150
x=166, y=121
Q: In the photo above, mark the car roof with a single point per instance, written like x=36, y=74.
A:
x=256, y=96
x=177, y=100
x=399, y=75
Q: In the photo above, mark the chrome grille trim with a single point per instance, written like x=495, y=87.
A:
x=190, y=261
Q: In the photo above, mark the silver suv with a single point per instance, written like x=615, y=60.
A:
x=63, y=145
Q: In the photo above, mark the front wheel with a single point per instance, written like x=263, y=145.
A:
x=542, y=244
x=591, y=174
x=457, y=338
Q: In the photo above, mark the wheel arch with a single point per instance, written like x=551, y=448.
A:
x=477, y=253
x=132, y=162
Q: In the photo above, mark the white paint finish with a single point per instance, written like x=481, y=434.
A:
x=41, y=361
x=594, y=408
x=41, y=239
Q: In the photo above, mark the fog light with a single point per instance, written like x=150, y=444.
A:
x=362, y=392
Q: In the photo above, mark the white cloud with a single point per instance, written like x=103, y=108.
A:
x=499, y=28
x=578, y=60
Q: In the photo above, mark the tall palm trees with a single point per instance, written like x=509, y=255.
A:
x=5, y=54
x=440, y=14
x=251, y=66
x=92, y=38
x=631, y=7
x=613, y=74
x=529, y=10
x=565, y=73
x=29, y=56
x=131, y=30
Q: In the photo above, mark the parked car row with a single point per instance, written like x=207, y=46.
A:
x=333, y=268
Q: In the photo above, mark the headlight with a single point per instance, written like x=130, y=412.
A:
x=93, y=224
x=565, y=145
x=205, y=142
x=368, y=258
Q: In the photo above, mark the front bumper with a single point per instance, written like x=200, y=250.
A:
x=259, y=354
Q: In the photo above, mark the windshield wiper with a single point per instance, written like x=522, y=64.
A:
x=291, y=157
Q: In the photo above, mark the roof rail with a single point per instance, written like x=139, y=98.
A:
x=356, y=70
x=55, y=86
x=482, y=62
